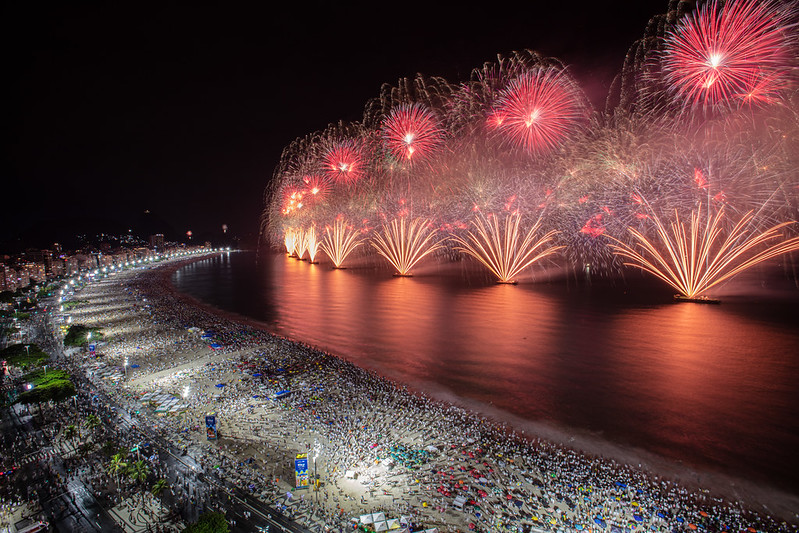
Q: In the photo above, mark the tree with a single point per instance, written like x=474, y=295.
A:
x=209, y=522
x=93, y=422
x=46, y=386
x=70, y=432
x=117, y=466
x=157, y=490
x=78, y=335
x=138, y=472
x=24, y=356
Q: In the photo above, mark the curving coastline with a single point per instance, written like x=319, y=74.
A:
x=496, y=431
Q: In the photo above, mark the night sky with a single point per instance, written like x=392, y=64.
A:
x=183, y=111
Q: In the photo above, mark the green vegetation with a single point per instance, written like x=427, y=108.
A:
x=45, y=292
x=48, y=385
x=21, y=315
x=72, y=304
x=19, y=356
x=78, y=335
x=209, y=523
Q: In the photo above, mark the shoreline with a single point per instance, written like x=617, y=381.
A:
x=727, y=486
x=500, y=424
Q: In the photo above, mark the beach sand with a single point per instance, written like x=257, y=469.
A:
x=380, y=446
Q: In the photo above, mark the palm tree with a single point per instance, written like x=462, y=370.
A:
x=117, y=466
x=138, y=472
x=93, y=422
x=157, y=489
x=70, y=432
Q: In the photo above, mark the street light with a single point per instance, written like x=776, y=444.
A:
x=126, y=368
x=316, y=448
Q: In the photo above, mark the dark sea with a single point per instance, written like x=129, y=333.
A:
x=615, y=362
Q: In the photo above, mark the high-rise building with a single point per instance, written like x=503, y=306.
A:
x=157, y=241
x=8, y=278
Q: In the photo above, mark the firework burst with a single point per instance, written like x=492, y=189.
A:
x=538, y=111
x=694, y=261
x=404, y=245
x=507, y=250
x=411, y=133
x=726, y=55
x=343, y=162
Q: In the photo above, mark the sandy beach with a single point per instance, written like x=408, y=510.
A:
x=376, y=446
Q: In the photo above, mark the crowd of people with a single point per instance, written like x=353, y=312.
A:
x=375, y=445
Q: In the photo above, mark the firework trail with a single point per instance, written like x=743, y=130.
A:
x=340, y=241
x=290, y=240
x=508, y=250
x=694, y=261
x=312, y=243
x=403, y=245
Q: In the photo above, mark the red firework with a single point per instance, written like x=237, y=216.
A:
x=343, y=162
x=292, y=201
x=316, y=186
x=729, y=55
x=411, y=133
x=538, y=110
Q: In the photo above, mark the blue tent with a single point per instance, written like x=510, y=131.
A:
x=257, y=375
x=220, y=385
x=216, y=346
x=600, y=522
x=134, y=366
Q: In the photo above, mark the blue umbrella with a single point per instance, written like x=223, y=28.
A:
x=220, y=385
x=257, y=375
x=600, y=522
x=134, y=366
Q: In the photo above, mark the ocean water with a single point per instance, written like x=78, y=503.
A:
x=711, y=387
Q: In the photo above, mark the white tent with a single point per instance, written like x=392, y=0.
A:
x=393, y=523
x=381, y=526
x=379, y=517
x=459, y=502
x=366, y=519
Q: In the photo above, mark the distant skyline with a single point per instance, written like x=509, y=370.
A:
x=183, y=112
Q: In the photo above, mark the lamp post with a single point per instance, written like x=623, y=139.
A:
x=316, y=448
x=126, y=368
